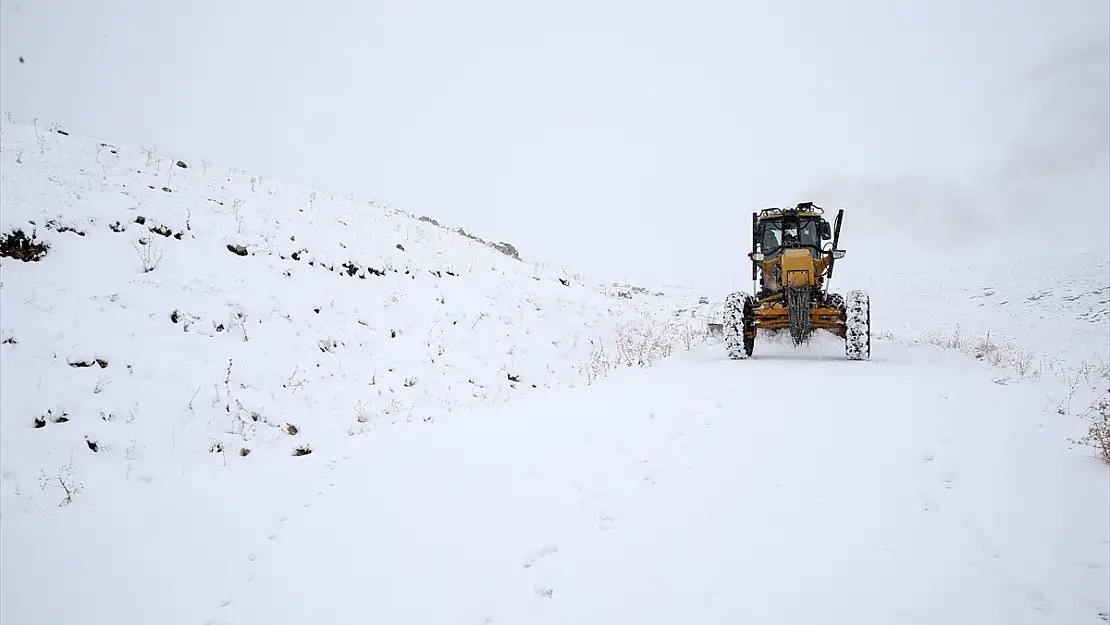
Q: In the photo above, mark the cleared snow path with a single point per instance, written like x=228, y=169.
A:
x=794, y=488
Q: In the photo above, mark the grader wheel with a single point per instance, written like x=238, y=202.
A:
x=739, y=325
x=857, y=344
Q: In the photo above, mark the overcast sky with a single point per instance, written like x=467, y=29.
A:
x=625, y=138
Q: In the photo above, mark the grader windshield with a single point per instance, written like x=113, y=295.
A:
x=785, y=233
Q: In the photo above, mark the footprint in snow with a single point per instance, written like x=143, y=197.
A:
x=1039, y=600
x=928, y=500
x=985, y=544
x=539, y=555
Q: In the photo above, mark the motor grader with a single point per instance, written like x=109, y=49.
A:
x=794, y=251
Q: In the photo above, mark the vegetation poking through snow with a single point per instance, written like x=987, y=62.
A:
x=15, y=244
x=642, y=343
x=1097, y=437
x=365, y=304
x=1083, y=384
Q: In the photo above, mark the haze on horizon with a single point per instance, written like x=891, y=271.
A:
x=628, y=140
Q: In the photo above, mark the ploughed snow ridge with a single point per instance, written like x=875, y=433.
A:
x=184, y=316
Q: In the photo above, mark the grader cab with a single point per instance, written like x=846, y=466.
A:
x=794, y=251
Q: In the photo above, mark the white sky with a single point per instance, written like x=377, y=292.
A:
x=625, y=139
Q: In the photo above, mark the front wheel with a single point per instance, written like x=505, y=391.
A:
x=857, y=344
x=739, y=325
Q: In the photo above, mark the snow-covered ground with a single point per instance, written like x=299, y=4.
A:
x=932, y=484
x=341, y=316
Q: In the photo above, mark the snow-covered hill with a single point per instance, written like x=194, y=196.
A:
x=935, y=483
x=1055, y=306
x=187, y=317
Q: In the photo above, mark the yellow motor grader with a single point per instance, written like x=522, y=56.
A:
x=793, y=254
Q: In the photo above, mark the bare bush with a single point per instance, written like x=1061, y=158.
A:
x=63, y=481
x=149, y=253
x=1098, y=432
x=641, y=344
x=363, y=412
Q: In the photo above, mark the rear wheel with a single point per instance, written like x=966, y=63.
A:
x=739, y=325
x=797, y=304
x=857, y=344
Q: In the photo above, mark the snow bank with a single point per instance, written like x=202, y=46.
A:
x=186, y=317
x=1031, y=315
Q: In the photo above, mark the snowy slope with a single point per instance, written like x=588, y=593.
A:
x=342, y=316
x=1055, y=306
x=932, y=484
